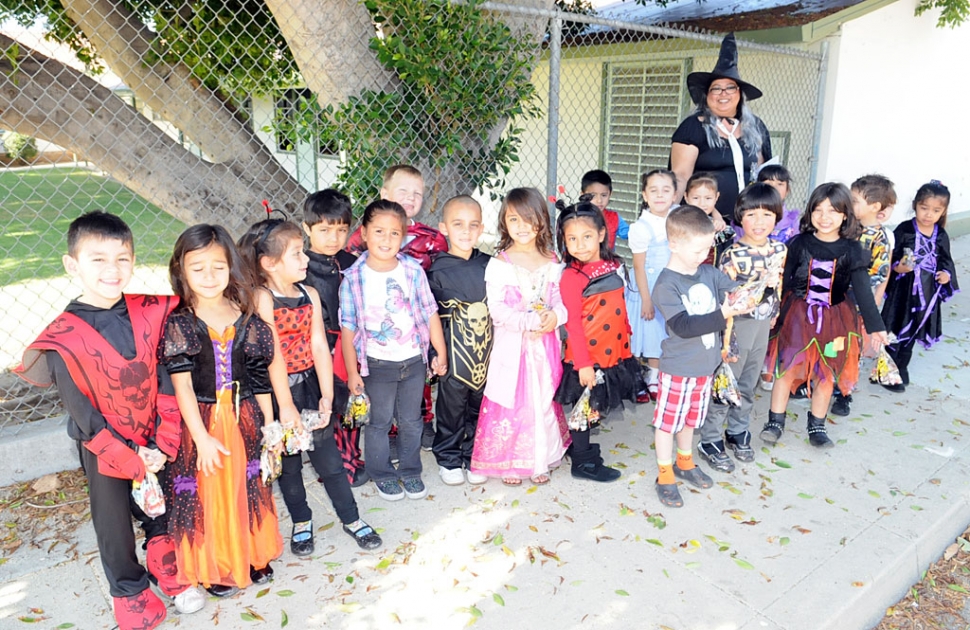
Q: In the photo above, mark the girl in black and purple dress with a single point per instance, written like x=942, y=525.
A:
x=923, y=278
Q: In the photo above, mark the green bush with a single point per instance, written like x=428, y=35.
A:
x=19, y=146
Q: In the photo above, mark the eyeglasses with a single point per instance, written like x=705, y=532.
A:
x=717, y=90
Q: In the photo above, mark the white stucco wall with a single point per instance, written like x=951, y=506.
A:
x=895, y=106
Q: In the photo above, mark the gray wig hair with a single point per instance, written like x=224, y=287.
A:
x=751, y=138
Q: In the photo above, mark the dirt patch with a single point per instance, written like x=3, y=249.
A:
x=941, y=599
x=45, y=513
x=22, y=402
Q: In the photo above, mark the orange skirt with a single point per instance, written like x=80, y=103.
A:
x=233, y=538
x=823, y=345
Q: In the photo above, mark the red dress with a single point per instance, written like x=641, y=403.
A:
x=598, y=335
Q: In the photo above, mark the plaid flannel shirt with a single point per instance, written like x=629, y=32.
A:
x=422, y=304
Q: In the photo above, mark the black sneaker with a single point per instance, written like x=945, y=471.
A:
x=840, y=405
x=898, y=388
x=801, y=393
x=301, y=540
x=713, y=453
x=740, y=443
x=427, y=436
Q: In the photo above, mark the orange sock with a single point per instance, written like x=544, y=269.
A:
x=666, y=475
x=685, y=461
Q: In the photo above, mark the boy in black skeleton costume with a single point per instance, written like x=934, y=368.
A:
x=457, y=279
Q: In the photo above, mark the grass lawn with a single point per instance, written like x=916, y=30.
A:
x=37, y=205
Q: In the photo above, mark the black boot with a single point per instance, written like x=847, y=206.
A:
x=773, y=428
x=587, y=464
x=840, y=404
x=816, y=432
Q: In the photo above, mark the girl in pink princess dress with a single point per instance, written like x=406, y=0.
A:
x=521, y=432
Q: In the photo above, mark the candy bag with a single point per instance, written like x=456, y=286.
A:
x=884, y=371
x=313, y=419
x=148, y=495
x=358, y=411
x=271, y=459
x=583, y=416
x=724, y=390
x=296, y=441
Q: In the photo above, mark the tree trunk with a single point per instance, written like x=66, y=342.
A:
x=330, y=41
x=43, y=98
x=170, y=91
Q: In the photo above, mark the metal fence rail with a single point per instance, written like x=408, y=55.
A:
x=200, y=113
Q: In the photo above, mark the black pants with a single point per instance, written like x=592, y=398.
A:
x=902, y=354
x=457, y=416
x=112, y=509
x=328, y=463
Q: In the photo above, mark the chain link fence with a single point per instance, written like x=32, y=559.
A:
x=171, y=115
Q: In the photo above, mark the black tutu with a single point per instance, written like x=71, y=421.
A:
x=620, y=383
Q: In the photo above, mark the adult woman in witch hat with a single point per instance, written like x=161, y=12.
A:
x=721, y=136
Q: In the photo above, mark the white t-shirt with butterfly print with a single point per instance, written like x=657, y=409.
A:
x=388, y=320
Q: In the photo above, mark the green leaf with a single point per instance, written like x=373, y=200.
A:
x=324, y=528
x=498, y=599
x=64, y=626
x=515, y=503
x=805, y=496
x=654, y=541
x=498, y=540
x=873, y=493
x=957, y=588
x=247, y=617
x=262, y=593
x=916, y=508
x=383, y=564
x=744, y=564
x=285, y=593
x=284, y=620
x=511, y=588
x=780, y=464
x=693, y=565
x=622, y=593
x=784, y=540
x=376, y=509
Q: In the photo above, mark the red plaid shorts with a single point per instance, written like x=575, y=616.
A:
x=681, y=401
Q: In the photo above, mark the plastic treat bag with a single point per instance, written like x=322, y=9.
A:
x=296, y=441
x=271, y=459
x=583, y=416
x=724, y=390
x=908, y=258
x=884, y=370
x=148, y=495
x=313, y=419
x=358, y=411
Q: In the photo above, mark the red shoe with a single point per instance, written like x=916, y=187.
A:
x=653, y=390
x=143, y=611
x=643, y=398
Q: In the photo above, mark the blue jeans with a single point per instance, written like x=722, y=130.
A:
x=395, y=389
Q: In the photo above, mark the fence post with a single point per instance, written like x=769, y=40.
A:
x=823, y=67
x=552, y=153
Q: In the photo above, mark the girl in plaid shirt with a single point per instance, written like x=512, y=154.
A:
x=388, y=319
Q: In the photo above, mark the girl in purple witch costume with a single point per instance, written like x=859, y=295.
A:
x=923, y=278
x=817, y=340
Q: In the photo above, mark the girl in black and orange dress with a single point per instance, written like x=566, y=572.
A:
x=274, y=251
x=598, y=331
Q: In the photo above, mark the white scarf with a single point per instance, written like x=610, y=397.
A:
x=736, y=152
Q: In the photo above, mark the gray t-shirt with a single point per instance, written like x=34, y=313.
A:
x=691, y=306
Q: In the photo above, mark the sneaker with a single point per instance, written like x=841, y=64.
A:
x=389, y=490
x=740, y=443
x=301, y=540
x=898, y=388
x=427, y=436
x=801, y=393
x=713, y=453
x=414, y=488
x=840, y=405
x=189, y=601
x=767, y=383
x=474, y=478
x=392, y=448
x=451, y=476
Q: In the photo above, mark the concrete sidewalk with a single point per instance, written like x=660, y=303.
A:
x=800, y=539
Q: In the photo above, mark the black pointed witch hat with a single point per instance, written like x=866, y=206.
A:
x=726, y=68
